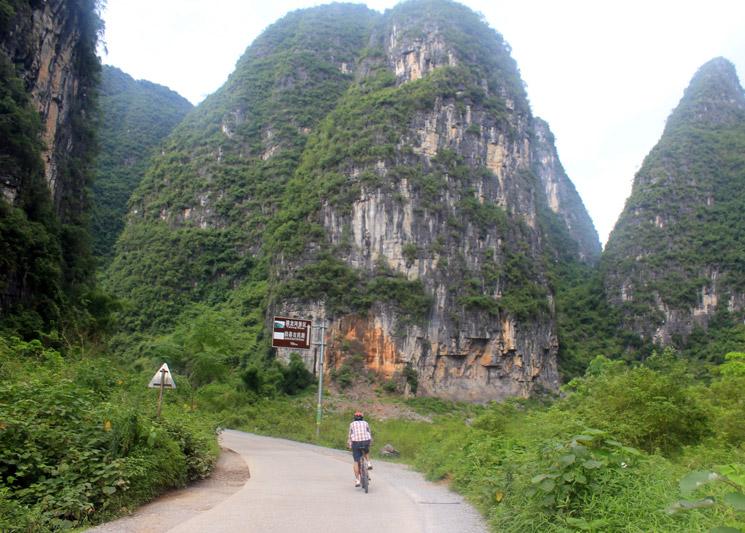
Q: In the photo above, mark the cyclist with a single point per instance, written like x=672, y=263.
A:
x=359, y=440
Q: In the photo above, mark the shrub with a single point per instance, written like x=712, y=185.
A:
x=642, y=407
x=295, y=376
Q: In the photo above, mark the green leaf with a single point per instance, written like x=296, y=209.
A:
x=580, y=451
x=734, y=472
x=566, y=460
x=592, y=464
x=725, y=529
x=547, y=485
x=630, y=450
x=736, y=500
x=583, y=438
x=696, y=479
x=537, y=479
x=109, y=490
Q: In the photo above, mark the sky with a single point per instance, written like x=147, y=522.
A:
x=605, y=75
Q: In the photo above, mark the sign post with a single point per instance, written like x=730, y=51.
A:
x=322, y=329
x=161, y=380
x=296, y=333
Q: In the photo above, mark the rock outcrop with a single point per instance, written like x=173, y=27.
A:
x=562, y=197
x=474, y=238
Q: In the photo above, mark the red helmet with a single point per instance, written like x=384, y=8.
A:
x=358, y=415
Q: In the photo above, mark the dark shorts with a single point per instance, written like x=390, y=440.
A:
x=360, y=447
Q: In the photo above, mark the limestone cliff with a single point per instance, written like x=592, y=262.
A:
x=674, y=259
x=562, y=197
x=48, y=72
x=53, y=44
x=453, y=203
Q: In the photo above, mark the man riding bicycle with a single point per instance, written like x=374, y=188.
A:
x=359, y=440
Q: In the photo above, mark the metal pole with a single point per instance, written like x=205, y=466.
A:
x=322, y=327
x=162, y=385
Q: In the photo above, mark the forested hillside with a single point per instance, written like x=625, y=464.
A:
x=135, y=116
x=79, y=438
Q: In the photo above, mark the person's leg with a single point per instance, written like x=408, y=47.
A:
x=367, y=457
x=356, y=454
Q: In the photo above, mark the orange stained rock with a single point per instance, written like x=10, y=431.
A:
x=381, y=354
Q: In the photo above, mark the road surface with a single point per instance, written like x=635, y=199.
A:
x=302, y=488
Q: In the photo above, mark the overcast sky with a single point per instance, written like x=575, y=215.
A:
x=604, y=74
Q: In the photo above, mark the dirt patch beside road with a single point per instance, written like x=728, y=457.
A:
x=175, y=507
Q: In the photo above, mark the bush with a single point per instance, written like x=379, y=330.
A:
x=647, y=409
x=296, y=377
x=76, y=446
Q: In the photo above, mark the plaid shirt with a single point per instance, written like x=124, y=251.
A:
x=359, y=430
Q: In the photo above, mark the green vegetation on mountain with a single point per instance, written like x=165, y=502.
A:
x=236, y=153
x=79, y=439
x=135, y=118
x=31, y=259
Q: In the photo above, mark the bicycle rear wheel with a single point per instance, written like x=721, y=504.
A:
x=364, y=479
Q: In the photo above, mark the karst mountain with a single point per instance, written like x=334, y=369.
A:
x=383, y=172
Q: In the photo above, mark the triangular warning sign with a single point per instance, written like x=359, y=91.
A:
x=165, y=374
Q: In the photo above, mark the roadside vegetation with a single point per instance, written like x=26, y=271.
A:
x=615, y=452
x=80, y=441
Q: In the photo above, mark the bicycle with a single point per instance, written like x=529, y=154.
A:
x=364, y=477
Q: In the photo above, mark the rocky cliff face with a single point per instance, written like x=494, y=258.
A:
x=561, y=196
x=407, y=209
x=48, y=71
x=674, y=260
x=453, y=203
x=52, y=45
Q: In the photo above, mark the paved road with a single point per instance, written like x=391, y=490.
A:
x=301, y=488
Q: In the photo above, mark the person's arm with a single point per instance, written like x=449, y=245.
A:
x=349, y=437
x=369, y=432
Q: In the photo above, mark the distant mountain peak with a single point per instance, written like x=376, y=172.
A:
x=713, y=98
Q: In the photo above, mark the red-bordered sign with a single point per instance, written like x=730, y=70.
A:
x=291, y=333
